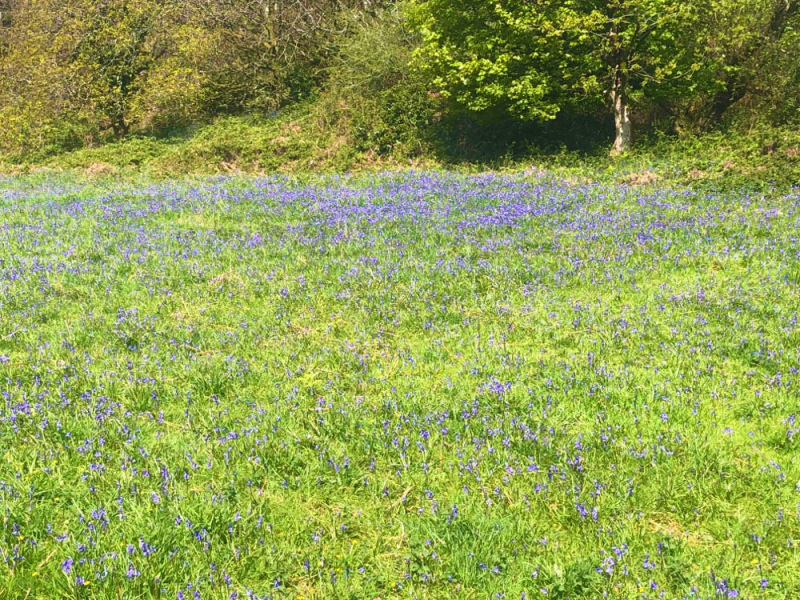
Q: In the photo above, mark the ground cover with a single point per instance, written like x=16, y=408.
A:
x=397, y=385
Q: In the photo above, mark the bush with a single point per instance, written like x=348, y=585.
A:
x=372, y=95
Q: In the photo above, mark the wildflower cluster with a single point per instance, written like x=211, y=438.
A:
x=416, y=384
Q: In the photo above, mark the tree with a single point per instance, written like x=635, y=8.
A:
x=754, y=42
x=649, y=48
x=534, y=58
x=487, y=56
x=76, y=71
x=269, y=52
x=77, y=68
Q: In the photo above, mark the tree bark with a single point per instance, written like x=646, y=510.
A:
x=622, y=112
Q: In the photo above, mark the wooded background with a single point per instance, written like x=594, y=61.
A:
x=77, y=73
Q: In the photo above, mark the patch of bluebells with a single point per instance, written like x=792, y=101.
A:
x=403, y=384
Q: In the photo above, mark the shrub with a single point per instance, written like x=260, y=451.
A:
x=372, y=95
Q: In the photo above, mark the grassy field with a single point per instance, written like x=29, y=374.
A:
x=394, y=386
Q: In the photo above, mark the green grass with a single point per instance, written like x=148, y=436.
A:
x=328, y=135
x=291, y=143
x=429, y=385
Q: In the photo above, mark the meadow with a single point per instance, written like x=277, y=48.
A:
x=408, y=385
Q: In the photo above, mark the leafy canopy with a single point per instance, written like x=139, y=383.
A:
x=531, y=59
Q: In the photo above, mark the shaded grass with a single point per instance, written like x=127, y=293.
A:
x=308, y=139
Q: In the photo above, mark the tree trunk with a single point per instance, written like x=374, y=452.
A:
x=622, y=113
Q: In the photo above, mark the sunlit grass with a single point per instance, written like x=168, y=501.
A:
x=418, y=384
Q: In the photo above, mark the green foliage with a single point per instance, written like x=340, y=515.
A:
x=110, y=68
x=761, y=159
x=101, y=68
x=756, y=42
x=681, y=63
x=657, y=44
x=300, y=142
x=483, y=55
x=371, y=95
x=341, y=85
x=531, y=60
x=240, y=144
x=760, y=77
x=132, y=154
